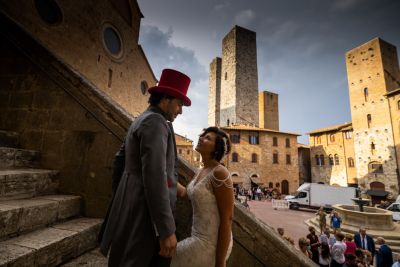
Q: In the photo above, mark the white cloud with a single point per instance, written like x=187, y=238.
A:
x=245, y=18
x=163, y=53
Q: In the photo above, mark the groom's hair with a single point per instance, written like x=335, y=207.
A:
x=222, y=142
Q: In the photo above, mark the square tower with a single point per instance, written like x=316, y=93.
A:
x=269, y=111
x=239, y=79
x=373, y=71
x=214, y=92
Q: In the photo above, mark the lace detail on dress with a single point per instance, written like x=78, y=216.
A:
x=227, y=182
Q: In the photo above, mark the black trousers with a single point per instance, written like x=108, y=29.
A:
x=159, y=261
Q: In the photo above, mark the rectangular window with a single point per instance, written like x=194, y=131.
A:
x=253, y=138
x=235, y=137
x=348, y=134
x=288, y=159
x=275, y=141
x=188, y=152
x=287, y=142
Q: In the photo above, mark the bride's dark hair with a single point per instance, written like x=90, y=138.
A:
x=222, y=142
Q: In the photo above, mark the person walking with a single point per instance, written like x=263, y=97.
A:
x=384, y=257
x=140, y=228
x=336, y=221
x=321, y=219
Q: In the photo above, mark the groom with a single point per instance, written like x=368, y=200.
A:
x=140, y=227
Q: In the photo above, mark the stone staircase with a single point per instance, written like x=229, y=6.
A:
x=38, y=227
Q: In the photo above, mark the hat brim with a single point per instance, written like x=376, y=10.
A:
x=172, y=92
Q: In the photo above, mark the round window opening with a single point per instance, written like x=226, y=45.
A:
x=144, y=87
x=49, y=11
x=112, y=41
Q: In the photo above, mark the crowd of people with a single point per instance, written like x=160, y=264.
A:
x=257, y=193
x=334, y=248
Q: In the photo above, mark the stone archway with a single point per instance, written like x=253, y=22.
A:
x=377, y=192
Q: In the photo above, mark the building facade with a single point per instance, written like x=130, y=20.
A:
x=373, y=79
x=184, y=147
x=304, y=163
x=263, y=157
x=98, y=39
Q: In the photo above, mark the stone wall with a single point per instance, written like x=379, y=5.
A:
x=304, y=164
x=214, y=92
x=268, y=110
x=52, y=108
x=239, y=78
x=78, y=40
x=368, y=67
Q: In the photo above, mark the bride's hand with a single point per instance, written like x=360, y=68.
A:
x=180, y=190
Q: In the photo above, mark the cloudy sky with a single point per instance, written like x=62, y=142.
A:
x=300, y=49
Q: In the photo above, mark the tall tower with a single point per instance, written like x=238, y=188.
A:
x=372, y=71
x=269, y=111
x=214, y=92
x=239, y=80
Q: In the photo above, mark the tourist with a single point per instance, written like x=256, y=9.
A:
x=303, y=244
x=314, y=243
x=328, y=237
x=384, y=257
x=259, y=193
x=322, y=219
x=336, y=221
x=337, y=251
x=324, y=255
x=397, y=263
x=365, y=242
x=351, y=261
x=350, y=245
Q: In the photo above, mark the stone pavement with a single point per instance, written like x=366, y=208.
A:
x=291, y=220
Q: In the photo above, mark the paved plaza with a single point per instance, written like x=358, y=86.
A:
x=291, y=220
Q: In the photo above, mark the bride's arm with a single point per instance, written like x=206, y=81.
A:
x=180, y=190
x=223, y=191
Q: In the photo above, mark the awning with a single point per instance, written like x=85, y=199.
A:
x=256, y=180
x=377, y=193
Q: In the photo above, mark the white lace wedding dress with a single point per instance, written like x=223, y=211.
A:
x=199, y=250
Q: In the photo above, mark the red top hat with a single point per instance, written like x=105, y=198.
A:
x=173, y=83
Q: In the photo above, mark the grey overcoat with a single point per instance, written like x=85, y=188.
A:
x=144, y=202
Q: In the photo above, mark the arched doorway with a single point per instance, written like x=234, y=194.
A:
x=285, y=187
x=377, y=192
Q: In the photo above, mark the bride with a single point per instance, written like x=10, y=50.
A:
x=211, y=195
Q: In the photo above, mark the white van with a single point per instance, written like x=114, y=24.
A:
x=395, y=208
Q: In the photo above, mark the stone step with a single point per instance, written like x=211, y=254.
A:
x=9, y=139
x=22, y=215
x=91, y=258
x=51, y=246
x=18, y=158
x=26, y=183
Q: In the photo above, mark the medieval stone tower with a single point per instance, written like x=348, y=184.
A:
x=373, y=70
x=233, y=90
x=269, y=110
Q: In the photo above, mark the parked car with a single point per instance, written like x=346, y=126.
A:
x=395, y=209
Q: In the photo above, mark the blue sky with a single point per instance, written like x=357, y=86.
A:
x=300, y=45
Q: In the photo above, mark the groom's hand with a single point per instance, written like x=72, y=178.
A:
x=168, y=246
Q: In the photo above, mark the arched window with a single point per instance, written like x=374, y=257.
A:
x=275, y=141
x=318, y=139
x=143, y=87
x=49, y=11
x=398, y=104
x=322, y=160
x=235, y=157
x=331, y=162
x=287, y=142
x=332, y=138
x=275, y=158
x=366, y=94
x=350, y=162
x=369, y=120
x=254, y=158
x=337, y=159
x=288, y=159
x=270, y=185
